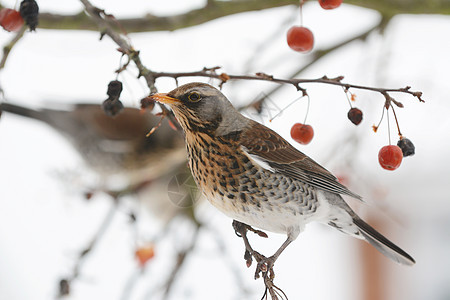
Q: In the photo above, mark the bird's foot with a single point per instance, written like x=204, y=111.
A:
x=264, y=266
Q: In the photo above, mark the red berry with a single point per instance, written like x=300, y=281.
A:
x=10, y=19
x=390, y=157
x=302, y=133
x=144, y=254
x=330, y=4
x=300, y=39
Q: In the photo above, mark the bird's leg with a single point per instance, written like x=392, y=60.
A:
x=266, y=263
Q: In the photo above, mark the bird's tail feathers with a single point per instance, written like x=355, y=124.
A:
x=382, y=244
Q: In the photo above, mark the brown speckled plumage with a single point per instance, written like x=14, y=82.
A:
x=253, y=175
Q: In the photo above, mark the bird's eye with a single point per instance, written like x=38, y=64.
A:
x=194, y=97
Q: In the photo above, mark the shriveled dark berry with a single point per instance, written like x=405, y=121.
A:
x=355, y=115
x=407, y=147
x=147, y=103
x=114, y=89
x=29, y=10
x=64, y=287
x=112, y=107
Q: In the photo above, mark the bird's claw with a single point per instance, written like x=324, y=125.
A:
x=264, y=266
x=248, y=258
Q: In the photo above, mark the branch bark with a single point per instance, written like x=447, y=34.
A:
x=211, y=73
x=213, y=10
x=217, y=9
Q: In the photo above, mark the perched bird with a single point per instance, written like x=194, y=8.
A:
x=256, y=177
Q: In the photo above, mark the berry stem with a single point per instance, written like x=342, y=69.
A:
x=120, y=67
x=346, y=95
x=307, y=109
x=388, y=126
x=301, y=12
x=381, y=119
x=396, y=122
x=295, y=100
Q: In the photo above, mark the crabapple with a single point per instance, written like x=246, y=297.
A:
x=300, y=39
x=302, y=133
x=390, y=157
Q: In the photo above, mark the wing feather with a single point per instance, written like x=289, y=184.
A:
x=282, y=157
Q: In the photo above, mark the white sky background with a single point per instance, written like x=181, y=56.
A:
x=44, y=222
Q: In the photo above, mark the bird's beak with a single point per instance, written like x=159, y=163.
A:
x=163, y=98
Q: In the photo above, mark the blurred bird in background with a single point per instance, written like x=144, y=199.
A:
x=118, y=146
x=128, y=161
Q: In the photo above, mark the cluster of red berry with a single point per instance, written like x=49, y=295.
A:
x=303, y=133
x=300, y=38
x=13, y=20
x=390, y=157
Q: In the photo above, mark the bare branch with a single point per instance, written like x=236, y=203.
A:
x=211, y=73
x=211, y=11
x=103, y=22
x=65, y=283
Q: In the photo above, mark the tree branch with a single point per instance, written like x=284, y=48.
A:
x=103, y=22
x=211, y=11
x=217, y=9
x=224, y=77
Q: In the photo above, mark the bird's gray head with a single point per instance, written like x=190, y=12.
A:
x=202, y=107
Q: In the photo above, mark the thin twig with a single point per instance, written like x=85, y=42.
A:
x=98, y=236
x=206, y=72
x=103, y=21
x=7, y=48
x=180, y=262
x=84, y=253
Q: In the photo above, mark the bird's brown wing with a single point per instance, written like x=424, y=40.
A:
x=282, y=157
